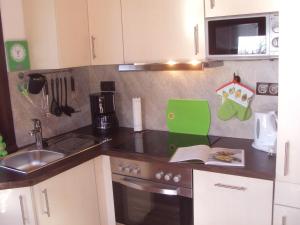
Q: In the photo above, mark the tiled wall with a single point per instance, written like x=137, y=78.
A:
x=155, y=88
x=23, y=111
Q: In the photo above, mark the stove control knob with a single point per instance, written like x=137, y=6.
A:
x=168, y=176
x=177, y=178
x=136, y=171
x=127, y=169
x=159, y=175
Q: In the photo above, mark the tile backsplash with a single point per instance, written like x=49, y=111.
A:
x=155, y=88
x=23, y=111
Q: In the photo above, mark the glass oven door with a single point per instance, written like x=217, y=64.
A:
x=141, y=202
x=240, y=36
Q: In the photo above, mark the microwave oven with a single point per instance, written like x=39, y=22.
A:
x=242, y=37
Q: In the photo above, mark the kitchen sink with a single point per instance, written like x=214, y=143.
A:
x=30, y=161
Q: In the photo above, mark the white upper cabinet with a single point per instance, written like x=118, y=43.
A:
x=68, y=198
x=16, y=207
x=105, y=32
x=57, y=33
x=221, y=199
x=163, y=30
x=215, y=8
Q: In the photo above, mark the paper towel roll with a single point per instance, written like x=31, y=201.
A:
x=137, y=114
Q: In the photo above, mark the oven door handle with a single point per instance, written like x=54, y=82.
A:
x=147, y=186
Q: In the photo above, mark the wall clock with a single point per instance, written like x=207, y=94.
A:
x=17, y=55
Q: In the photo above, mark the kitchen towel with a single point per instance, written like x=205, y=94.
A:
x=137, y=114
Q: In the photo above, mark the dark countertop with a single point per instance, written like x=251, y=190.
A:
x=156, y=146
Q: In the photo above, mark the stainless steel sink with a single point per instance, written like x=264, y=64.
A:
x=30, y=161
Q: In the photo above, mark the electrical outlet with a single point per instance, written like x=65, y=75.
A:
x=270, y=89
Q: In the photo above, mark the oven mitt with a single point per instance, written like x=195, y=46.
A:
x=229, y=109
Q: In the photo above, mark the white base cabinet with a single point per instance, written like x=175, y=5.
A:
x=221, y=199
x=16, y=207
x=215, y=8
x=68, y=198
x=284, y=215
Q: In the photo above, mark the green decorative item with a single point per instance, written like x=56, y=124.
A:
x=17, y=55
x=3, y=152
x=188, y=116
x=230, y=109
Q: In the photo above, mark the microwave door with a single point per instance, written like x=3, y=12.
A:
x=237, y=37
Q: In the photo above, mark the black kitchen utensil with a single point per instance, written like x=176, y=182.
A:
x=61, y=93
x=73, y=93
x=55, y=109
x=36, y=83
x=67, y=109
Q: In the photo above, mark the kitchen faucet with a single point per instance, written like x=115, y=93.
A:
x=37, y=132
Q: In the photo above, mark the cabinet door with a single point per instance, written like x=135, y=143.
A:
x=286, y=215
x=163, y=30
x=73, y=33
x=226, y=199
x=16, y=207
x=57, y=33
x=215, y=8
x=105, y=191
x=106, y=36
x=68, y=198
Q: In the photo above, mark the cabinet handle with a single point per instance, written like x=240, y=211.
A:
x=45, y=193
x=93, y=47
x=22, y=209
x=230, y=187
x=196, y=39
x=212, y=4
x=286, y=158
x=283, y=220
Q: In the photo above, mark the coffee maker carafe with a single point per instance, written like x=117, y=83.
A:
x=104, y=119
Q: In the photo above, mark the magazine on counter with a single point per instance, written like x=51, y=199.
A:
x=210, y=156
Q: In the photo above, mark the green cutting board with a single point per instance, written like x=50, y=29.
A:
x=188, y=116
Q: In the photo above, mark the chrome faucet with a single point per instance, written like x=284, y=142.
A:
x=37, y=132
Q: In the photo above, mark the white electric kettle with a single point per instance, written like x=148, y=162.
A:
x=265, y=131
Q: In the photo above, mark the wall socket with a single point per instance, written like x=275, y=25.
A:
x=270, y=89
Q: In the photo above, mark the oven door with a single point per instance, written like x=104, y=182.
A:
x=237, y=37
x=141, y=202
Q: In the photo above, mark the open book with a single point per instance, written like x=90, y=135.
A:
x=210, y=156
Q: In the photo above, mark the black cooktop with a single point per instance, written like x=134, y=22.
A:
x=161, y=143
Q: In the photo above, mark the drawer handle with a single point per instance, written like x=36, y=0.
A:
x=230, y=187
x=283, y=220
x=212, y=4
x=286, y=158
x=47, y=211
x=22, y=209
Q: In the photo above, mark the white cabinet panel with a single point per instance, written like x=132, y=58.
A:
x=106, y=36
x=215, y=8
x=57, y=33
x=105, y=191
x=227, y=199
x=16, y=207
x=287, y=194
x=163, y=30
x=286, y=215
x=68, y=198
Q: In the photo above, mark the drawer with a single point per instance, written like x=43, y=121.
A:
x=228, y=199
x=287, y=194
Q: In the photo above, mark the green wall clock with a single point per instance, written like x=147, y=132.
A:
x=17, y=55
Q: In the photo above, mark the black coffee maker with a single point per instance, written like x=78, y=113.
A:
x=104, y=118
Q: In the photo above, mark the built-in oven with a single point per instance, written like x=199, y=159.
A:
x=151, y=193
